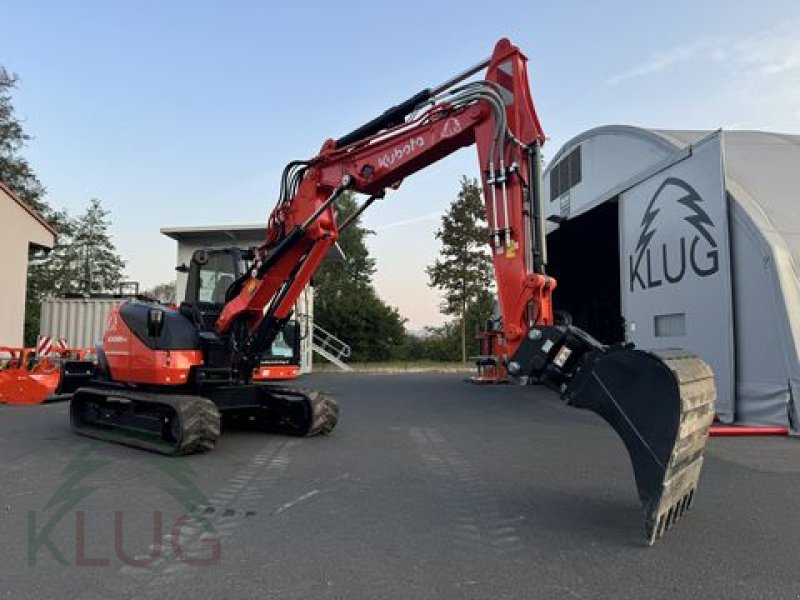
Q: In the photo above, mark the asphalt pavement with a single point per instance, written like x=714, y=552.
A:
x=428, y=488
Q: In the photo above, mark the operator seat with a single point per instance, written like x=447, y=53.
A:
x=220, y=289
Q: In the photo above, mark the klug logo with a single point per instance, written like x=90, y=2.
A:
x=392, y=156
x=653, y=266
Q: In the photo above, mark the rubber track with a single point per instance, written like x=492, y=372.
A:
x=199, y=418
x=323, y=409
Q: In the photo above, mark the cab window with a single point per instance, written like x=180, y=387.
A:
x=216, y=276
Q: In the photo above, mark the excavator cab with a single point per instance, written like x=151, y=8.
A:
x=212, y=276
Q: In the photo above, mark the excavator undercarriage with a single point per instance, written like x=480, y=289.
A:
x=187, y=423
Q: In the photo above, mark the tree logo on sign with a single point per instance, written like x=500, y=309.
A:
x=651, y=264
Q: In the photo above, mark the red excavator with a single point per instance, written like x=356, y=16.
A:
x=168, y=377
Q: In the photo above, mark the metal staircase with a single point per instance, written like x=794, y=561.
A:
x=330, y=347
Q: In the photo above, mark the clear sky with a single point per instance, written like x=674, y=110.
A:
x=184, y=112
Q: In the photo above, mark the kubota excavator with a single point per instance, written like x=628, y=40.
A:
x=169, y=376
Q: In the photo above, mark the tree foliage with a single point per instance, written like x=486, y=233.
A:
x=163, y=292
x=15, y=171
x=463, y=269
x=99, y=267
x=346, y=303
x=84, y=259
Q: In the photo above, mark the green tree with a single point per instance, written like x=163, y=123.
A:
x=163, y=292
x=41, y=274
x=99, y=267
x=17, y=174
x=434, y=344
x=83, y=261
x=15, y=171
x=463, y=269
x=346, y=303
x=355, y=271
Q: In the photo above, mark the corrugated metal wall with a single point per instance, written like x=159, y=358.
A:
x=79, y=320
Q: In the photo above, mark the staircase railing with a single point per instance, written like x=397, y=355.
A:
x=330, y=347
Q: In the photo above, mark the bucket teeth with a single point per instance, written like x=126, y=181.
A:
x=697, y=395
x=665, y=519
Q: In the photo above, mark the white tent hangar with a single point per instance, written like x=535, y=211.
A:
x=687, y=239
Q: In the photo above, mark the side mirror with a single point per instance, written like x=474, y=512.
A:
x=155, y=322
x=200, y=257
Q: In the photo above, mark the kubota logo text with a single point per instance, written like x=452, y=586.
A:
x=412, y=146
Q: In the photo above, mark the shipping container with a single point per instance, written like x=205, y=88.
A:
x=78, y=320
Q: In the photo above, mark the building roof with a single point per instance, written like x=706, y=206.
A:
x=36, y=216
x=649, y=135
x=236, y=233
x=759, y=168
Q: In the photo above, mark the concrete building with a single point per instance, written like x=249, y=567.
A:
x=687, y=239
x=24, y=232
x=190, y=239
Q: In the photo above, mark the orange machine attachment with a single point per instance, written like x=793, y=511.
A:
x=30, y=377
x=490, y=369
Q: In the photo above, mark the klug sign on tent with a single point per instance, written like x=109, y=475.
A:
x=706, y=241
x=676, y=263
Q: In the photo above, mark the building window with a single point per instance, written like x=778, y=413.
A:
x=672, y=325
x=566, y=174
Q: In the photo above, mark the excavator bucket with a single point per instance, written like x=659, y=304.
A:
x=661, y=405
x=28, y=379
x=19, y=386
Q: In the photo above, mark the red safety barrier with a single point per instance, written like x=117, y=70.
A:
x=744, y=430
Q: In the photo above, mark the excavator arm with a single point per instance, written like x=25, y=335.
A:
x=495, y=114
x=661, y=405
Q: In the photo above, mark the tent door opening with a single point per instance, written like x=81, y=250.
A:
x=584, y=257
